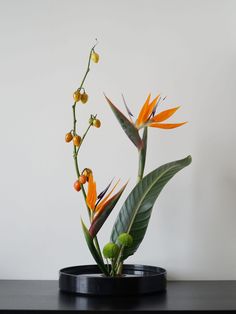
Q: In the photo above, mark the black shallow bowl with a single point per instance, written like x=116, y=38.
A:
x=137, y=279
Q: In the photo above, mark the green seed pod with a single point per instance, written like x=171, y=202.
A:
x=125, y=239
x=110, y=250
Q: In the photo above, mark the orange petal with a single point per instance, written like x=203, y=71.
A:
x=164, y=115
x=150, y=108
x=166, y=125
x=101, y=208
x=92, y=193
x=142, y=111
x=100, y=205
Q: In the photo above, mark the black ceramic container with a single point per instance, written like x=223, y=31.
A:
x=136, y=279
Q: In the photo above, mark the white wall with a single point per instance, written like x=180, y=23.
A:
x=182, y=48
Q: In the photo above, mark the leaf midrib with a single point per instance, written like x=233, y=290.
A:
x=140, y=202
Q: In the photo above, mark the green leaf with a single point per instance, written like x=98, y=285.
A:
x=129, y=128
x=93, y=250
x=135, y=213
x=142, y=155
x=104, y=213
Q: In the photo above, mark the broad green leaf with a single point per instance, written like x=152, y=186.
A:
x=135, y=213
x=127, y=126
x=93, y=250
x=142, y=157
x=104, y=213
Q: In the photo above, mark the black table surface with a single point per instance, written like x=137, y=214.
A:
x=180, y=295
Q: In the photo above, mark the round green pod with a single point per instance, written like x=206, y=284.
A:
x=125, y=239
x=110, y=250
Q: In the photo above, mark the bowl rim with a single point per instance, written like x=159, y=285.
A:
x=152, y=271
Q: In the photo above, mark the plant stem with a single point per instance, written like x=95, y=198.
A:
x=88, y=68
x=119, y=262
x=140, y=169
x=84, y=195
x=142, y=161
x=142, y=156
x=78, y=175
x=83, y=190
x=75, y=151
x=83, y=137
x=74, y=118
x=113, y=268
x=120, y=268
x=96, y=243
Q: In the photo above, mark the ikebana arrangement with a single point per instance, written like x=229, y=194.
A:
x=131, y=223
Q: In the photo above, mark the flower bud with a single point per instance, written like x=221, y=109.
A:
x=110, y=250
x=125, y=239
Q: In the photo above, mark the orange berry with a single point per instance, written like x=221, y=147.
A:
x=77, y=96
x=68, y=137
x=77, y=140
x=84, y=98
x=82, y=179
x=97, y=123
x=77, y=185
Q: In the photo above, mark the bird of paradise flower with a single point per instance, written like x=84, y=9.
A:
x=100, y=205
x=147, y=118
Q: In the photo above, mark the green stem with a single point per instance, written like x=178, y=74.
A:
x=78, y=175
x=113, y=268
x=74, y=118
x=83, y=137
x=88, y=68
x=108, y=266
x=119, y=262
x=142, y=161
x=140, y=170
x=96, y=243
x=75, y=151
x=142, y=156
x=120, y=268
